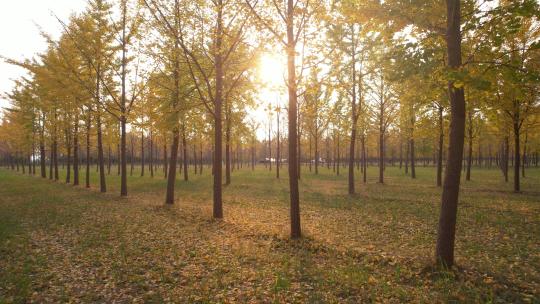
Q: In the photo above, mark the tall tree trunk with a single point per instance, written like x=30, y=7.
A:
x=142, y=153
x=407, y=156
x=123, y=109
x=102, y=184
x=316, y=146
x=185, y=155
x=165, y=160
x=171, y=176
x=506, y=156
x=470, y=147
x=364, y=160
x=42, y=155
x=517, y=153
x=55, y=152
x=449, y=201
x=151, y=165
x=76, y=152
x=68, y=150
x=227, y=145
x=218, y=111
x=354, y=117
x=296, y=231
x=51, y=162
x=525, y=156
x=338, y=158
x=413, y=158
x=29, y=158
x=194, y=159
x=252, y=156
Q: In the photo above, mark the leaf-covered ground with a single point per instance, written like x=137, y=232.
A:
x=64, y=244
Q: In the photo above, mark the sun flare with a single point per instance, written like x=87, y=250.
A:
x=272, y=69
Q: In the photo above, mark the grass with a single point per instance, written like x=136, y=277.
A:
x=60, y=243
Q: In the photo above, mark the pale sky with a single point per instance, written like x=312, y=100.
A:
x=20, y=36
x=20, y=23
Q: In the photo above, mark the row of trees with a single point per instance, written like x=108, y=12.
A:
x=136, y=80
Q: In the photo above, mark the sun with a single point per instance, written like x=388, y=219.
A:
x=272, y=69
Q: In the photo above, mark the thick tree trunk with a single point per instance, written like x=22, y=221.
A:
x=123, y=157
x=171, y=178
x=123, y=110
x=218, y=111
x=88, y=127
x=449, y=201
x=76, y=152
x=296, y=231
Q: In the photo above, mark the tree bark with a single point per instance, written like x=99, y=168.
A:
x=449, y=201
x=151, y=164
x=296, y=231
x=517, y=154
x=218, y=111
x=470, y=146
x=42, y=151
x=68, y=150
x=227, y=145
x=102, y=184
x=184, y=153
x=142, y=153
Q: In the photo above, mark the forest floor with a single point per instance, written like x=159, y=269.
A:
x=64, y=244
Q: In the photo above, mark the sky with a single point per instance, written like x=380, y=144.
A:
x=20, y=35
x=20, y=23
